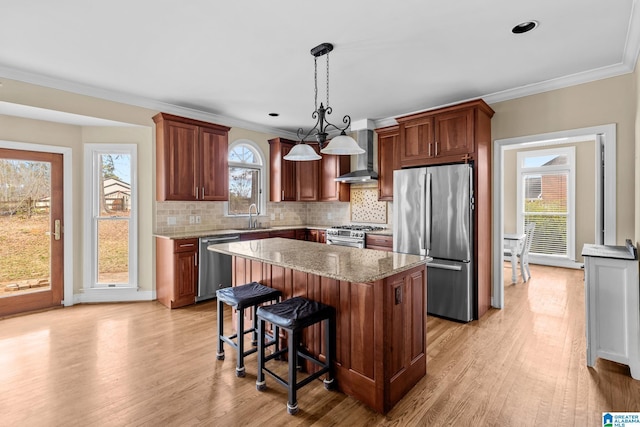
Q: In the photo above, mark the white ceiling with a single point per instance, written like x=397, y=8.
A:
x=237, y=61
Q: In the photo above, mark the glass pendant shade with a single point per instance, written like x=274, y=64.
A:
x=302, y=152
x=342, y=144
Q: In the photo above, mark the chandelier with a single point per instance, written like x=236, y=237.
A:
x=341, y=144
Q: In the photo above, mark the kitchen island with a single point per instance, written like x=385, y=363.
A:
x=380, y=303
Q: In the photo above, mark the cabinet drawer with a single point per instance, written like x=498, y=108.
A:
x=380, y=241
x=185, y=245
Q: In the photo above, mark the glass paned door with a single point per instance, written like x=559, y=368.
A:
x=31, y=231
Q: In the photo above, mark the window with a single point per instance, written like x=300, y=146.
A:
x=246, y=177
x=111, y=226
x=546, y=192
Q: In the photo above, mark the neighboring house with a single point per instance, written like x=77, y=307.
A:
x=117, y=195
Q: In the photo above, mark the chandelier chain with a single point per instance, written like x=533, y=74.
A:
x=315, y=79
x=327, y=79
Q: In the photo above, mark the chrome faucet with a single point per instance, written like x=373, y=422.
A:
x=253, y=224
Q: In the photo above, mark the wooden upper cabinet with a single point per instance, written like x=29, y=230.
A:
x=454, y=133
x=388, y=160
x=214, y=148
x=282, y=187
x=331, y=167
x=447, y=135
x=307, y=181
x=191, y=159
x=308, y=173
x=417, y=139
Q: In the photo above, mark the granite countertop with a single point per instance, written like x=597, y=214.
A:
x=224, y=232
x=336, y=262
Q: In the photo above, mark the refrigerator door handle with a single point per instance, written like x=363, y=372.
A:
x=423, y=202
x=444, y=266
x=427, y=206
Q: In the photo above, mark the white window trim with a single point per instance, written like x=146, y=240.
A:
x=100, y=292
x=570, y=153
x=262, y=202
x=605, y=183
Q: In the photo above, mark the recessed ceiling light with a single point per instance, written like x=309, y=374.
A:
x=274, y=114
x=524, y=27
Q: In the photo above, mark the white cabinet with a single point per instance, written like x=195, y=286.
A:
x=612, y=302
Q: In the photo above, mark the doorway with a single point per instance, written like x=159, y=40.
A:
x=31, y=219
x=604, y=183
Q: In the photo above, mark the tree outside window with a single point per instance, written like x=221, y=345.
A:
x=245, y=178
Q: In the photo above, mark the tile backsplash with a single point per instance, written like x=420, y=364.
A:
x=365, y=207
x=175, y=217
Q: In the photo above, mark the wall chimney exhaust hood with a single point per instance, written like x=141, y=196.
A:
x=364, y=162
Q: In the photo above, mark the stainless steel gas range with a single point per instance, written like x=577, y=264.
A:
x=349, y=235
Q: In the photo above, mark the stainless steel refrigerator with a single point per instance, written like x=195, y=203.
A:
x=432, y=215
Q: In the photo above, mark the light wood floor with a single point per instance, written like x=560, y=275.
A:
x=143, y=364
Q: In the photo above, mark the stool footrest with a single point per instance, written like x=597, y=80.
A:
x=251, y=350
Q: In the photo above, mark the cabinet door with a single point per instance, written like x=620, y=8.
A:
x=255, y=236
x=416, y=140
x=283, y=172
x=186, y=278
x=289, y=176
x=387, y=162
x=331, y=167
x=214, y=165
x=179, y=145
x=454, y=133
x=379, y=242
x=285, y=234
x=308, y=173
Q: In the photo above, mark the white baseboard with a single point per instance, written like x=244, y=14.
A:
x=113, y=295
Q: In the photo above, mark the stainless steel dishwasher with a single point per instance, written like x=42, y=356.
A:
x=215, y=268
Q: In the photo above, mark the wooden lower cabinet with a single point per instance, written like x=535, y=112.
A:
x=299, y=234
x=316, y=235
x=380, y=327
x=379, y=242
x=285, y=234
x=176, y=271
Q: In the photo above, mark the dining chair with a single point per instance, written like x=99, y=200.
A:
x=529, y=232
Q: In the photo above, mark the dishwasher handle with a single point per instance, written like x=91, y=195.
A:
x=220, y=239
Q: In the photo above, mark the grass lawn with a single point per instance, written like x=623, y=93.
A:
x=25, y=252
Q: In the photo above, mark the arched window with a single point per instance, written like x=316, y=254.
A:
x=246, y=177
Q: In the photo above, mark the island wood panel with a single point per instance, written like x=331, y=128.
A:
x=380, y=348
x=407, y=355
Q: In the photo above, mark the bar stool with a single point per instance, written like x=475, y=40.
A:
x=241, y=297
x=294, y=315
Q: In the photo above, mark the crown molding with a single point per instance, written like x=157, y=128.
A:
x=138, y=101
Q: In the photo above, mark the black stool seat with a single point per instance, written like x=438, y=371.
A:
x=242, y=297
x=293, y=315
x=247, y=295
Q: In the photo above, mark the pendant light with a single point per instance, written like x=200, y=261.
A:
x=342, y=144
